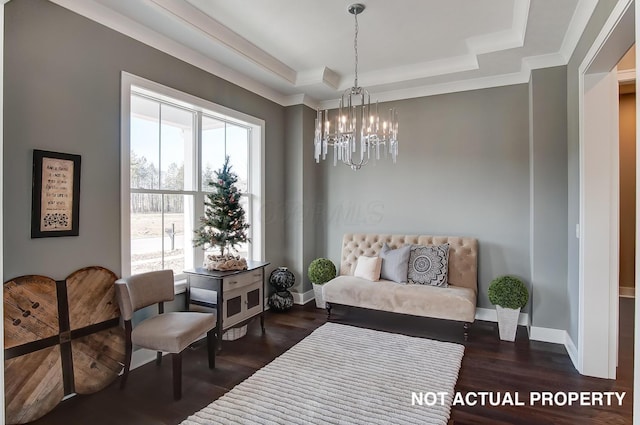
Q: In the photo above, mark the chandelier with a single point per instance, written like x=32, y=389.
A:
x=357, y=132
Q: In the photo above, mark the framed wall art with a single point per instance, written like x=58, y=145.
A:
x=55, y=202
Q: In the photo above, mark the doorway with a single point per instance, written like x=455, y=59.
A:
x=599, y=195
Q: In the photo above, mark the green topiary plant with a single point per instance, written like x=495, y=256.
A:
x=508, y=292
x=321, y=270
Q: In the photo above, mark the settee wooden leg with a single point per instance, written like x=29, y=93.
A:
x=328, y=307
x=466, y=325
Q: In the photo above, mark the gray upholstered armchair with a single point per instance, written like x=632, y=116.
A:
x=166, y=332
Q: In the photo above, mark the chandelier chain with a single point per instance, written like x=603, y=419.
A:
x=355, y=48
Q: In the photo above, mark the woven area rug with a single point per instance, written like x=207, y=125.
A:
x=344, y=375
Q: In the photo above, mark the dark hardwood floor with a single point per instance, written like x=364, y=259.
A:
x=488, y=365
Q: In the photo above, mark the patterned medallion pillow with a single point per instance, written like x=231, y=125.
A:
x=395, y=263
x=429, y=264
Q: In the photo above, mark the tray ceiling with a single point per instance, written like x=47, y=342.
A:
x=301, y=51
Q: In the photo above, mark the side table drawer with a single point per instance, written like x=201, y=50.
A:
x=239, y=280
x=203, y=283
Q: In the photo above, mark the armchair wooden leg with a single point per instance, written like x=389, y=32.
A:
x=466, y=325
x=177, y=375
x=328, y=307
x=159, y=358
x=128, y=353
x=211, y=348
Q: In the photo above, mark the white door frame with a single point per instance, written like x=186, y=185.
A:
x=599, y=193
x=2, y=3
x=599, y=235
x=636, y=348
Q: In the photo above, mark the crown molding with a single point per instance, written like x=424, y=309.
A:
x=626, y=75
x=214, y=30
x=327, y=77
x=528, y=64
x=578, y=22
x=117, y=22
x=414, y=72
x=543, y=61
x=301, y=99
x=493, y=42
x=312, y=77
x=503, y=40
x=444, y=88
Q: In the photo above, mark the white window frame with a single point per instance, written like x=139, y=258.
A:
x=256, y=164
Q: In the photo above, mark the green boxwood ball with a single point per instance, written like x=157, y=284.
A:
x=508, y=292
x=321, y=270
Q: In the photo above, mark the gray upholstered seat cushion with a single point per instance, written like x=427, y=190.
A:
x=452, y=303
x=172, y=332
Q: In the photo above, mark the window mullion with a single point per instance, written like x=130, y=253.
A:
x=198, y=152
x=159, y=143
x=162, y=229
x=164, y=192
x=198, y=198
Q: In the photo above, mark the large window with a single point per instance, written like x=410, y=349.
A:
x=172, y=144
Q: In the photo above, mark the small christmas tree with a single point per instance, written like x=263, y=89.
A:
x=223, y=224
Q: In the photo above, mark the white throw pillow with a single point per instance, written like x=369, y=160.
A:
x=368, y=268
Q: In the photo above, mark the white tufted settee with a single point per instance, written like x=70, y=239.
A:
x=455, y=302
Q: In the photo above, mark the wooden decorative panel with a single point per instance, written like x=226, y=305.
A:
x=61, y=337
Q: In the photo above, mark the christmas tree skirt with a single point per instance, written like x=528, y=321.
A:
x=224, y=262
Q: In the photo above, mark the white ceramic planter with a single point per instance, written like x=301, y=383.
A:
x=507, y=322
x=318, y=295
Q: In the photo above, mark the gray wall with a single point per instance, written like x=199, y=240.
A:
x=293, y=193
x=302, y=189
x=597, y=20
x=463, y=169
x=548, y=149
x=313, y=229
x=62, y=93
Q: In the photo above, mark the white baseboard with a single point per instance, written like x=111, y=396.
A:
x=572, y=350
x=627, y=292
x=536, y=333
x=490, y=315
x=303, y=298
x=556, y=336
